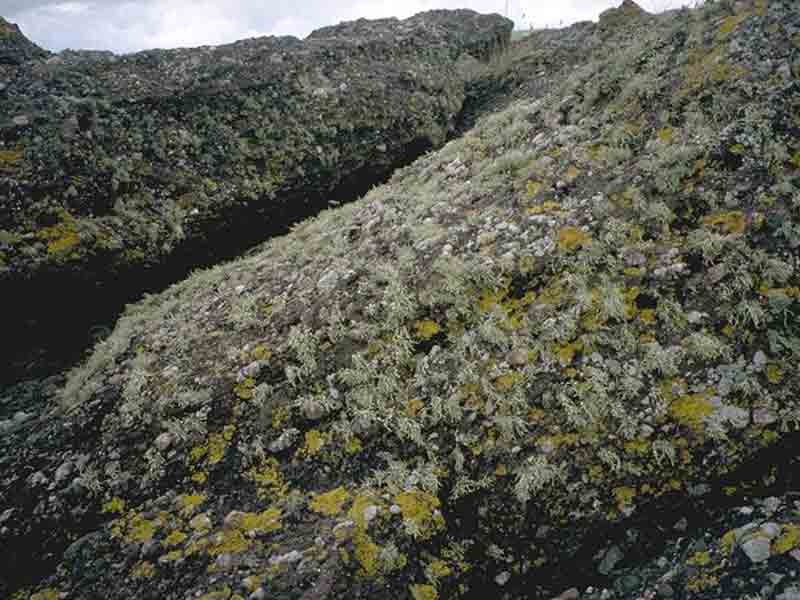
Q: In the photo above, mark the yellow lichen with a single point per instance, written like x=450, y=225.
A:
x=261, y=352
x=506, y=382
x=702, y=581
x=533, y=188
x=268, y=479
x=218, y=444
x=691, y=409
x=353, y=445
x=189, y=503
x=414, y=407
x=727, y=222
x=175, y=538
x=330, y=503
x=637, y=446
x=438, y=569
x=263, y=522
x=700, y=559
x=423, y=591
x=141, y=529
x=229, y=542
x=728, y=541
x=624, y=496
x=420, y=510
x=367, y=553
x=647, y=315
x=730, y=24
x=426, y=329
x=544, y=208
x=774, y=373
x=572, y=238
x=143, y=570
x=46, y=594
x=60, y=238
x=223, y=594
x=314, y=442
x=244, y=389
x=115, y=505
x=566, y=353
x=788, y=540
x=10, y=159
x=666, y=135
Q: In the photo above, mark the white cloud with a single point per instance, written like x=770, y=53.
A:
x=130, y=25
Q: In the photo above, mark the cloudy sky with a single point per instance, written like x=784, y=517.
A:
x=130, y=25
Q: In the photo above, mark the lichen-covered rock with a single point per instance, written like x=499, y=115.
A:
x=118, y=173
x=549, y=359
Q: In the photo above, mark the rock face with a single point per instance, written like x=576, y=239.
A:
x=556, y=358
x=120, y=173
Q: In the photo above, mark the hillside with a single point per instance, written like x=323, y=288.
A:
x=556, y=358
x=121, y=174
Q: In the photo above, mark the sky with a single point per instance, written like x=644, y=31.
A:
x=132, y=25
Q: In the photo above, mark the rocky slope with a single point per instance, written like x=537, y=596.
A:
x=557, y=357
x=119, y=174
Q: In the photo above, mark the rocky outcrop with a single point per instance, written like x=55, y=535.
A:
x=616, y=16
x=561, y=352
x=119, y=174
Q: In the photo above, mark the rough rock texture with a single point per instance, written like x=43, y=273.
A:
x=557, y=358
x=118, y=173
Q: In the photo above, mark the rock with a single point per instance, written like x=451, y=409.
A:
x=757, y=549
x=200, y=522
x=163, y=441
x=259, y=594
x=518, y=358
x=285, y=441
x=771, y=530
x=792, y=593
x=288, y=558
x=770, y=504
x=370, y=513
x=224, y=562
x=629, y=583
x=664, y=590
x=570, y=594
x=610, y=559
x=502, y=578
x=64, y=470
x=615, y=17
x=764, y=416
x=233, y=519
